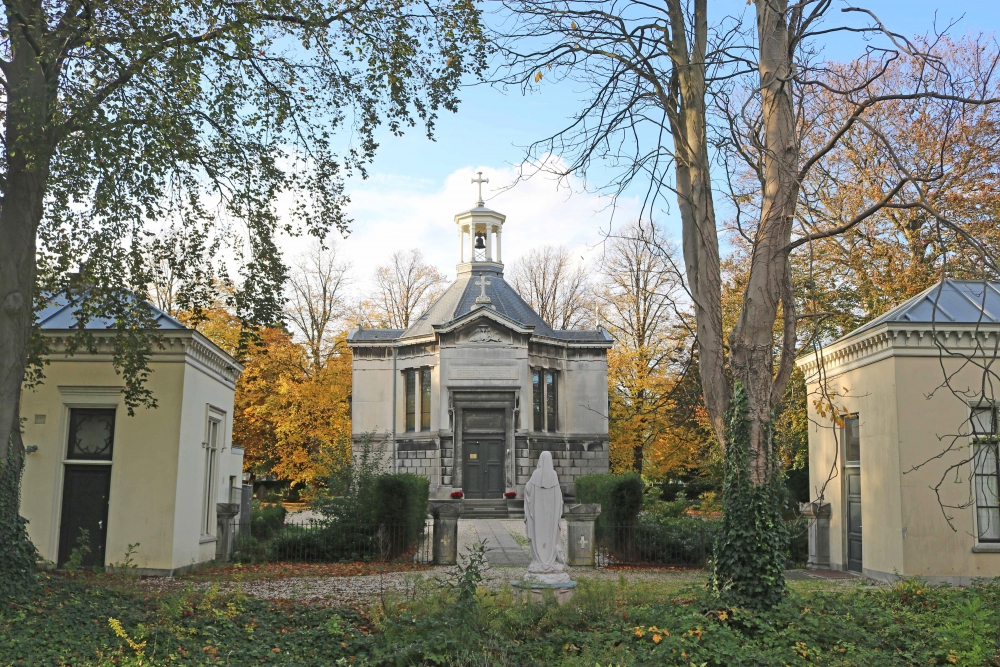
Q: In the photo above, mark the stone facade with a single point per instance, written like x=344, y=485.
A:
x=502, y=385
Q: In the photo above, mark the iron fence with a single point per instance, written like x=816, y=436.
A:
x=331, y=542
x=679, y=543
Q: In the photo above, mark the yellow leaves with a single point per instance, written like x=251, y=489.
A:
x=573, y=24
x=657, y=639
x=538, y=76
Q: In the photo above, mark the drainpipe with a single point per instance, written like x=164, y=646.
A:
x=394, y=373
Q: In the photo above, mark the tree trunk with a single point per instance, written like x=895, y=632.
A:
x=28, y=143
x=700, y=238
x=752, y=340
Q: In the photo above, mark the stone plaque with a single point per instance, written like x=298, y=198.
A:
x=483, y=419
x=484, y=373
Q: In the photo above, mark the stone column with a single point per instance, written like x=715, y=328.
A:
x=446, y=532
x=819, y=534
x=580, y=528
x=472, y=242
x=461, y=245
x=225, y=513
x=499, y=256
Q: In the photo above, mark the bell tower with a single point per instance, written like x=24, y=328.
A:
x=479, y=233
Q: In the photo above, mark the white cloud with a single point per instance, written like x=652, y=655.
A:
x=393, y=213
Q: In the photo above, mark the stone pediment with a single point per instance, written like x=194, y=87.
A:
x=484, y=326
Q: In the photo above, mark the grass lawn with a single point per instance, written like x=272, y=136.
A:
x=628, y=620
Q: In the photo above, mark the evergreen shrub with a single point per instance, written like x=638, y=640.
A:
x=402, y=507
x=620, y=497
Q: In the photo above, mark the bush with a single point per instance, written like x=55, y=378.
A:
x=266, y=520
x=402, y=505
x=620, y=497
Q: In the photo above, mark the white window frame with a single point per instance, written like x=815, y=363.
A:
x=211, y=445
x=976, y=438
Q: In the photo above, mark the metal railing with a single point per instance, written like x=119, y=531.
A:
x=331, y=542
x=681, y=543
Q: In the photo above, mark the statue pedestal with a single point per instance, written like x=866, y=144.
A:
x=534, y=591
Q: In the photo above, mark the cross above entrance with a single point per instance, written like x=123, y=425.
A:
x=479, y=181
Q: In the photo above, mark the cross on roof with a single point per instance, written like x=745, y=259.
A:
x=482, y=299
x=480, y=180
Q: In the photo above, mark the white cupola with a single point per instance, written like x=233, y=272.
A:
x=479, y=231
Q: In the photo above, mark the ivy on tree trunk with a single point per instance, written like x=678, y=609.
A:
x=17, y=553
x=750, y=548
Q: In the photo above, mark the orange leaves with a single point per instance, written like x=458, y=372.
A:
x=292, y=419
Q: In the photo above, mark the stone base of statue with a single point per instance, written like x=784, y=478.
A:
x=536, y=591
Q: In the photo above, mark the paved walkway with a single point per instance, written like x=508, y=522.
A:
x=502, y=549
x=506, y=540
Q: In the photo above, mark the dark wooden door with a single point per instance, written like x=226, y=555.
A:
x=483, y=453
x=484, y=468
x=85, y=508
x=854, y=550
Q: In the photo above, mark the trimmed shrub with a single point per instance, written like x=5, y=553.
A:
x=401, y=506
x=266, y=520
x=620, y=497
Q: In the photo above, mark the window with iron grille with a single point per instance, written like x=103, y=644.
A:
x=986, y=472
x=425, y=399
x=411, y=399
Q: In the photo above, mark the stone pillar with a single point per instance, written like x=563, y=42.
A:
x=225, y=513
x=819, y=534
x=489, y=243
x=446, y=532
x=472, y=242
x=499, y=256
x=461, y=245
x=580, y=533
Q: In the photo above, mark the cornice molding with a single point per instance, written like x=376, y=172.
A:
x=904, y=339
x=183, y=345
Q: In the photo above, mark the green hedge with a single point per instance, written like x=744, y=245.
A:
x=620, y=497
x=266, y=520
x=402, y=502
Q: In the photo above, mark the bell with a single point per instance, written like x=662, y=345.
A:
x=480, y=242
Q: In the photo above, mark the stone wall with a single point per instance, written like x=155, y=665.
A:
x=419, y=457
x=571, y=457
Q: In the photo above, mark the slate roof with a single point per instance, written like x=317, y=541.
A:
x=60, y=315
x=459, y=299
x=374, y=334
x=948, y=302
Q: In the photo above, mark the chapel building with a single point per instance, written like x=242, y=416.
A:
x=479, y=386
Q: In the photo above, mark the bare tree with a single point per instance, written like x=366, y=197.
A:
x=560, y=293
x=404, y=288
x=665, y=87
x=637, y=301
x=318, y=281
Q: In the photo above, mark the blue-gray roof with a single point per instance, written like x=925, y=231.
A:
x=59, y=314
x=361, y=335
x=950, y=301
x=459, y=299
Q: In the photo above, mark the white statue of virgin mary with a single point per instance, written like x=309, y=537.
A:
x=543, y=506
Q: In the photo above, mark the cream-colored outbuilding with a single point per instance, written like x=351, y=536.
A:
x=160, y=479
x=907, y=474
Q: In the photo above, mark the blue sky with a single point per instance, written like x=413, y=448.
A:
x=417, y=185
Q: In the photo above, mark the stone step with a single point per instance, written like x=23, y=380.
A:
x=488, y=508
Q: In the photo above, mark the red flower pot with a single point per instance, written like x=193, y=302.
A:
x=510, y=494
x=457, y=494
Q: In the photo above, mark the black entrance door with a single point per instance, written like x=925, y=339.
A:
x=85, y=508
x=483, y=453
x=854, y=563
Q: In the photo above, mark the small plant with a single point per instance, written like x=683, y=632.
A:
x=465, y=579
x=80, y=551
x=457, y=494
x=510, y=494
x=127, y=566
